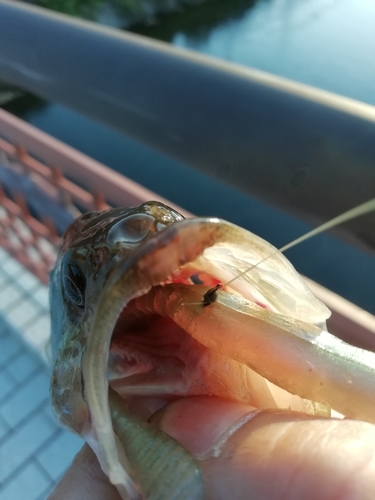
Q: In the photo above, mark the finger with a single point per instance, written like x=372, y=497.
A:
x=84, y=480
x=280, y=454
x=277, y=456
x=273, y=455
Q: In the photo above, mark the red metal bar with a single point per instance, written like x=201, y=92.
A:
x=47, y=161
x=116, y=189
x=102, y=185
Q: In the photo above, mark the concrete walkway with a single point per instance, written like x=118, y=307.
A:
x=34, y=450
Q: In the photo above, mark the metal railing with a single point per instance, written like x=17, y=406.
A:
x=284, y=142
x=64, y=182
x=32, y=239
x=253, y=128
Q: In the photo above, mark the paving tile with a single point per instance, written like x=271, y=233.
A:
x=23, y=443
x=37, y=333
x=3, y=262
x=28, y=281
x=3, y=331
x=41, y=296
x=4, y=279
x=4, y=256
x=47, y=492
x=12, y=267
x=29, y=484
x=48, y=411
x=29, y=454
x=27, y=399
x=23, y=313
x=56, y=457
x=24, y=303
x=7, y=384
x=9, y=345
x=10, y=295
x=5, y=328
x=23, y=366
x=4, y=429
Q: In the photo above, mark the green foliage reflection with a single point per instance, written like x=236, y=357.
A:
x=156, y=18
x=80, y=8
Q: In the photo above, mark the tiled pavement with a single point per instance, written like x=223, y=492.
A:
x=34, y=450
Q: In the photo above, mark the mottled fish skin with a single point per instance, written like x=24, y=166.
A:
x=92, y=244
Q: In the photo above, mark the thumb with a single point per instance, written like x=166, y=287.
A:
x=280, y=454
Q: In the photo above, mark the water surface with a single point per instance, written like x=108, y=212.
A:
x=325, y=43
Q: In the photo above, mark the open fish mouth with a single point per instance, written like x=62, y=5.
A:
x=144, y=342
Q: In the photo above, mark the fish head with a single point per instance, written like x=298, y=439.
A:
x=115, y=281
x=93, y=247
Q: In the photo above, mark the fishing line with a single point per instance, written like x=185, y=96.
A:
x=362, y=209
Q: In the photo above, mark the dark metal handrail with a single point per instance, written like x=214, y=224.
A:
x=287, y=143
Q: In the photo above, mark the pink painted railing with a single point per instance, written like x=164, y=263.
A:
x=48, y=162
x=80, y=183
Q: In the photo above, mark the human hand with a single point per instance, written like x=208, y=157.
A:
x=273, y=455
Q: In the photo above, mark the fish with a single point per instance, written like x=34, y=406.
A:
x=149, y=308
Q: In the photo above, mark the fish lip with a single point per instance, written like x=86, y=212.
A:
x=133, y=276
x=144, y=259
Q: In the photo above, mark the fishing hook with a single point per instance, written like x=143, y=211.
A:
x=211, y=295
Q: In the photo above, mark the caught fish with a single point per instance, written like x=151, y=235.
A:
x=131, y=335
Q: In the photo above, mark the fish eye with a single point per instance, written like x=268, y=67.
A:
x=74, y=283
x=131, y=229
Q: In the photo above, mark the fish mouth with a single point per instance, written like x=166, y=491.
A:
x=159, y=368
x=140, y=345
x=153, y=361
x=193, y=392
